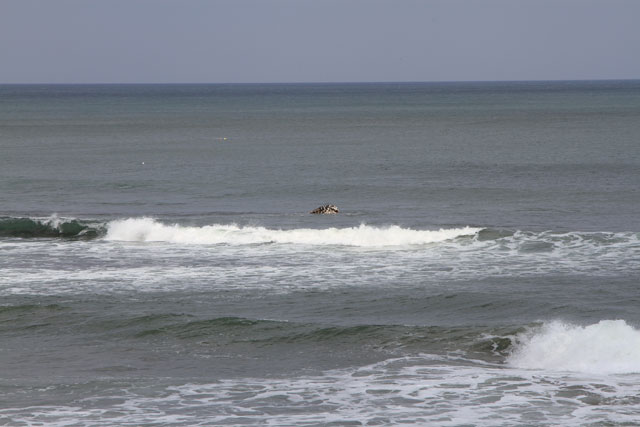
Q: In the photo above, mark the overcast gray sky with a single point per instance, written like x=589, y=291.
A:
x=224, y=41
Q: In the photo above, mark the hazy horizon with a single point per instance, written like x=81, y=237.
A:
x=306, y=41
x=319, y=83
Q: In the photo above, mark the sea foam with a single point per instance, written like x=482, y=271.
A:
x=150, y=230
x=607, y=347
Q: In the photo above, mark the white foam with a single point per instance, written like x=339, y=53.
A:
x=53, y=221
x=422, y=390
x=150, y=230
x=607, y=347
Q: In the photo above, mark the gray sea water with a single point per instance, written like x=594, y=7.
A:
x=159, y=265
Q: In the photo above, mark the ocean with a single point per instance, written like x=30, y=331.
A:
x=159, y=265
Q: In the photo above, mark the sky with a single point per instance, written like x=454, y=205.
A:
x=245, y=41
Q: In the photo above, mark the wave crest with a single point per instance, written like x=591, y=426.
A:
x=607, y=347
x=150, y=230
x=46, y=227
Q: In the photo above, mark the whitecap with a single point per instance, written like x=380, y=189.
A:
x=607, y=347
x=150, y=230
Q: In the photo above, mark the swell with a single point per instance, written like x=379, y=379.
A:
x=185, y=330
x=29, y=318
x=482, y=342
x=605, y=347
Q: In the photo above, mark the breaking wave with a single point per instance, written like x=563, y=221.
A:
x=150, y=230
x=499, y=242
x=607, y=347
x=48, y=227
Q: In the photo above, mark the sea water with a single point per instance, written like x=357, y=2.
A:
x=159, y=265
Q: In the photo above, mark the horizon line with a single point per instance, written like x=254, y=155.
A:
x=322, y=82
